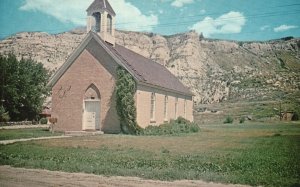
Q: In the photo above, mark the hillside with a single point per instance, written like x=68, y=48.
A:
x=215, y=70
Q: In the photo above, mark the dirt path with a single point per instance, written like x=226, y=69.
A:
x=16, y=177
x=24, y=126
x=5, y=142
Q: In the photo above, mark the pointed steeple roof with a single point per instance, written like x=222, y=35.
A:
x=101, y=5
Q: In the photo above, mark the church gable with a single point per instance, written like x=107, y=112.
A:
x=71, y=59
x=102, y=56
x=85, y=70
x=96, y=47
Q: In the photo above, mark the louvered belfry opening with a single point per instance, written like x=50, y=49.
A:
x=101, y=19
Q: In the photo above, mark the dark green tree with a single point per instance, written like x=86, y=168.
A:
x=23, y=87
x=125, y=90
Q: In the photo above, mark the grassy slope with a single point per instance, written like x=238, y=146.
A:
x=247, y=154
x=11, y=134
x=262, y=111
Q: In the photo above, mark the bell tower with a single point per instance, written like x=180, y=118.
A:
x=101, y=20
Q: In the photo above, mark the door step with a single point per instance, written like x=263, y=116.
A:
x=83, y=133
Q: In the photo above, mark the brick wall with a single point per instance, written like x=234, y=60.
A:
x=143, y=104
x=92, y=66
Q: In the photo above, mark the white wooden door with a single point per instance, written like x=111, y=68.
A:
x=91, y=115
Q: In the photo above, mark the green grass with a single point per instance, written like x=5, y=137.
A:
x=252, y=154
x=10, y=134
x=264, y=111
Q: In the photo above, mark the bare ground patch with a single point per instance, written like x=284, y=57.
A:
x=15, y=177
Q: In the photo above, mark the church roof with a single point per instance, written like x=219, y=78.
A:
x=102, y=5
x=144, y=70
x=148, y=71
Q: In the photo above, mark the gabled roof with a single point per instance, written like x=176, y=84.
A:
x=148, y=71
x=144, y=71
x=101, y=5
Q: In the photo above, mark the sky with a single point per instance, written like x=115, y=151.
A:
x=243, y=20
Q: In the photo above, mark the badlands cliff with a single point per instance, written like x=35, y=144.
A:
x=214, y=70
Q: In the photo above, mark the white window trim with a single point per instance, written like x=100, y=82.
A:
x=166, y=103
x=176, y=107
x=184, y=112
x=152, y=107
x=109, y=24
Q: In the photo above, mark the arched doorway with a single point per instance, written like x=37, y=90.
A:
x=91, y=109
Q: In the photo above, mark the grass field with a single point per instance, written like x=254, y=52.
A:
x=253, y=154
x=10, y=134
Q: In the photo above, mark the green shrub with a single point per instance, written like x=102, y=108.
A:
x=43, y=121
x=182, y=120
x=295, y=117
x=228, y=119
x=194, y=128
x=4, y=116
x=242, y=120
x=178, y=126
x=164, y=150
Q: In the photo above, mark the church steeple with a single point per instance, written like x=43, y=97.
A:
x=100, y=19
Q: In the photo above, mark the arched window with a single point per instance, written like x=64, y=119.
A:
x=109, y=24
x=92, y=93
x=97, y=26
x=166, y=108
x=176, y=107
x=152, y=107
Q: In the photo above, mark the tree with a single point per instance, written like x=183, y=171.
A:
x=125, y=90
x=23, y=87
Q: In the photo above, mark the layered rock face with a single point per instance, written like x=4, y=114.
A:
x=214, y=70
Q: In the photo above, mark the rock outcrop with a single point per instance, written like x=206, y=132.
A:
x=214, y=70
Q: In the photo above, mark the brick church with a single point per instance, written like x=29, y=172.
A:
x=83, y=89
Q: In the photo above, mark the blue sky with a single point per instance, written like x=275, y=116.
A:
x=221, y=19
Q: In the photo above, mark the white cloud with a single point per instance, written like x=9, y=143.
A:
x=265, y=27
x=229, y=23
x=129, y=17
x=283, y=28
x=66, y=11
x=181, y=3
